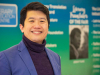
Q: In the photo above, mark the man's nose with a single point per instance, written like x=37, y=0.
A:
x=37, y=25
x=78, y=38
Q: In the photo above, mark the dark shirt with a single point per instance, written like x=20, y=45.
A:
x=39, y=57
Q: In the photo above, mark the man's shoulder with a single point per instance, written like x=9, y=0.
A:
x=11, y=51
x=52, y=53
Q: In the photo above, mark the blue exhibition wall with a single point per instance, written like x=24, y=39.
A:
x=65, y=15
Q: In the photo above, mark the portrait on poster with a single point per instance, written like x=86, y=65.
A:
x=78, y=45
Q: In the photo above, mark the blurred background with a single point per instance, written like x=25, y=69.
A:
x=64, y=16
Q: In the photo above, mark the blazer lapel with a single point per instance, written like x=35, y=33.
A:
x=25, y=56
x=53, y=62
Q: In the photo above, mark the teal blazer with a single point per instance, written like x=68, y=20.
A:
x=17, y=61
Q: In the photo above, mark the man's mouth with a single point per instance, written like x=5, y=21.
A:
x=36, y=32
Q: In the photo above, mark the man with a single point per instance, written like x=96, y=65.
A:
x=75, y=37
x=30, y=57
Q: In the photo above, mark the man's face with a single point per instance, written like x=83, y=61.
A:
x=76, y=39
x=35, y=26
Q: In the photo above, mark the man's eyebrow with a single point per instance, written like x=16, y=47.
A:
x=34, y=18
x=31, y=18
x=43, y=18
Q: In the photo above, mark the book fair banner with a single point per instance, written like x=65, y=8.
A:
x=74, y=32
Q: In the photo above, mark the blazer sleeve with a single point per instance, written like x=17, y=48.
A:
x=4, y=65
x=60, y=64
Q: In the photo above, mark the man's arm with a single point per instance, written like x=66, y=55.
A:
x=4, y=65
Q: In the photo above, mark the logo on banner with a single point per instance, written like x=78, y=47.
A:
x=8, y=15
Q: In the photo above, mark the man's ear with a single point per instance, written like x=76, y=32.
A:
x=21, y=28
x=48, y=28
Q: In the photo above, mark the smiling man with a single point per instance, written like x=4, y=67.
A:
x=35, y=26
x=30, y=57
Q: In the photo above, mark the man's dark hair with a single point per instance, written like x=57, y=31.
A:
x=34, y=6
x=74, y=31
